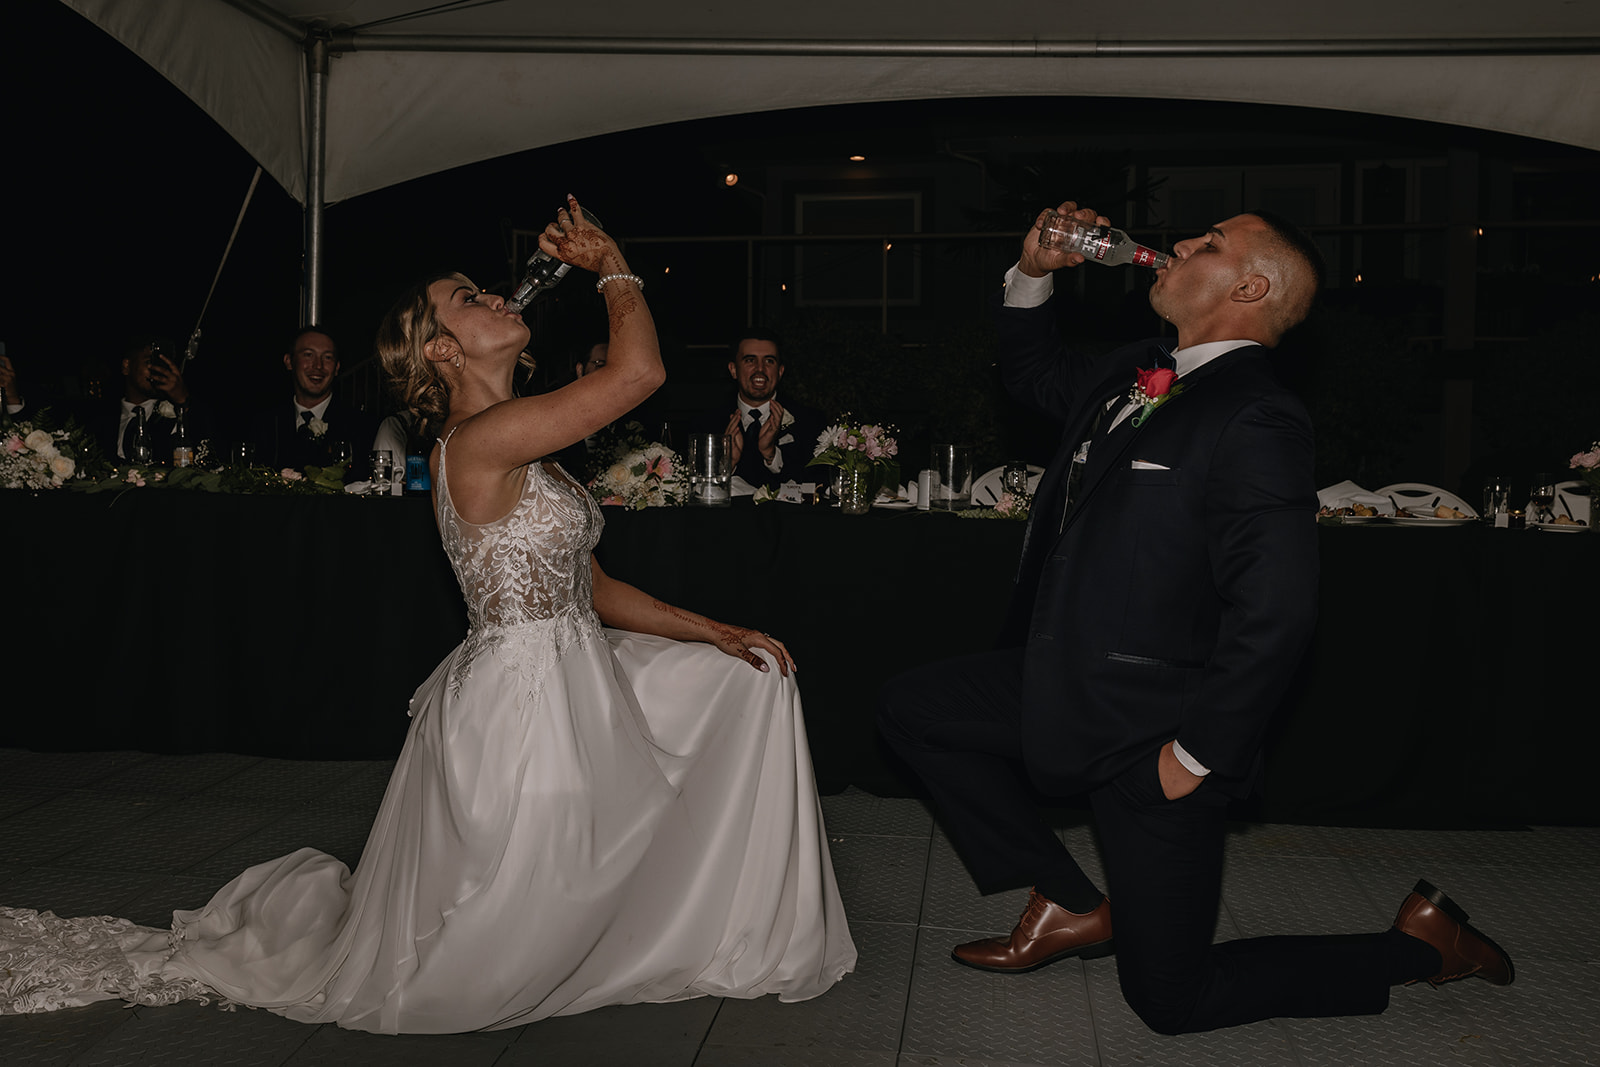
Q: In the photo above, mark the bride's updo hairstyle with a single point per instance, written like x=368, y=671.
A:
x=404, y=332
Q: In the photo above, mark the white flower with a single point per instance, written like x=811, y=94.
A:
x=41, y=442
x=166, y=410
x=62, y=467
x=317, y=427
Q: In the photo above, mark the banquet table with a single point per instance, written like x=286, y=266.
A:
x=1449, y=682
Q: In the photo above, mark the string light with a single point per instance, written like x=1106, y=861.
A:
x=858, y=159
x=730, y=179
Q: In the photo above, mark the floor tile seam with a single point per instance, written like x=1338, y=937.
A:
x=700, y=1046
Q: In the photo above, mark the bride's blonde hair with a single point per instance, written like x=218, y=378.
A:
x=406, y=330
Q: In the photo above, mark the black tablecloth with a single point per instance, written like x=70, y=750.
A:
x=1449, y=682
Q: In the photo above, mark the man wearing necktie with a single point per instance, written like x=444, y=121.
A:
x=305, y=431
x=772, y=442
x=1166, y=593
x=153, y=388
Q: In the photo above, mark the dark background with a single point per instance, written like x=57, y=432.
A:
x=122, y=194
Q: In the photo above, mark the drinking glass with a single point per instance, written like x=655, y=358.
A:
x=1542, y=497
x=382, y=472
x=1014, y=479
x=342, y=452
x=242, y=454
x=950, y=484
x=1496, y=497
x=710, y=470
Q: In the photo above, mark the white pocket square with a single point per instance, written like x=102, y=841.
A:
x=1141, y=465
x=786, y=439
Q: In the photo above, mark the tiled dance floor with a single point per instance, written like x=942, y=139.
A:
x=137, y=835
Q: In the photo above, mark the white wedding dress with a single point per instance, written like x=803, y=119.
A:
x=579, y=817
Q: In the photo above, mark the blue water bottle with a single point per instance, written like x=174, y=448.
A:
x=417, y=480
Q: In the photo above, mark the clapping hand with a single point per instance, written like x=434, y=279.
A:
x=735, y=432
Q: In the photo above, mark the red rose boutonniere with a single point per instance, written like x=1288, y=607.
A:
x=1152, y=389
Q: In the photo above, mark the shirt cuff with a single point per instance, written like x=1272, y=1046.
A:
x=12, y=409
x=1025, y=292
x=1190, y=764
x=775, y=464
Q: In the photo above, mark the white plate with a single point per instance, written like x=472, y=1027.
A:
x=893, y=505
x=1559, y=527
x=1350, y=520
x=1418, y=520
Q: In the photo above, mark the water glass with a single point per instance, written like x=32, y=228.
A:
x=382, y=472
x=950, y=480
x=710, y=470
x=1496, y=499
x=1014, y=479
x=242, y=454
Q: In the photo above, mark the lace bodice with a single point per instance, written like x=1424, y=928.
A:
x=532, y=564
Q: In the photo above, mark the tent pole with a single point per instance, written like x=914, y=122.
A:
x=316, y=160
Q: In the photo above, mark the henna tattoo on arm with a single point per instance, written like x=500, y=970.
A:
x=721, y=633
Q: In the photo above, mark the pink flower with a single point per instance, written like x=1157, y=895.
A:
x=14, y=444
x=289, y=474
x=1589, y=460
x=1154, y=383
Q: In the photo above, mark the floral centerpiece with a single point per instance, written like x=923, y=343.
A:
x=36, y=454
x=635, y=473
x=1587, y=464
x=864, y=455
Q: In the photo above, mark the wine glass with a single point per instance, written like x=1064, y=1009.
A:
x=1542, y=497
x=342, y=452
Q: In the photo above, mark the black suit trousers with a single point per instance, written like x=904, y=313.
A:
x=958, y=724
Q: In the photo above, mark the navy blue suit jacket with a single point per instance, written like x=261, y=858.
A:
x=1168, y=603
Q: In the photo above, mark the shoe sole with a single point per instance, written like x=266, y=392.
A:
x=1087, y=952
x=1437, y=897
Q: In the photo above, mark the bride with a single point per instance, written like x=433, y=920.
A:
x=594, y=805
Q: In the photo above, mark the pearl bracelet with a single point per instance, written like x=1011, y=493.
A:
x=600, y=286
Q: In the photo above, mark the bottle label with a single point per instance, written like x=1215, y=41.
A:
x=183, y=456
x=417, y=479
x=1144, y=257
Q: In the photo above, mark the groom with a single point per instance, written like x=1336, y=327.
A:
x=1168, y=589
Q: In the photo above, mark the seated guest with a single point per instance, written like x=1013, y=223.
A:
x=304, y=431
x=772, y=442
x=153, y=392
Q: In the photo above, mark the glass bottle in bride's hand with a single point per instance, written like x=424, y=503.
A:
x=542, y=272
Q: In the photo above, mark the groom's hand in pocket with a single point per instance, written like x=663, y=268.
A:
x=1177, y=781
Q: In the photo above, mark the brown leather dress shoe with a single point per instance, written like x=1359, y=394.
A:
x=1046, y=932
x=1428, y=915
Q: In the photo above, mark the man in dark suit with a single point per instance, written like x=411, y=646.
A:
x=153, y=392
x=772, y=442
x=1166, y=593
x=306, y=430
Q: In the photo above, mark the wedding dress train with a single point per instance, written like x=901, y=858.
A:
x=579, y=817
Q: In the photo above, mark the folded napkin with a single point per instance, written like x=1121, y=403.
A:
x=1348, y=494
x=741, y=487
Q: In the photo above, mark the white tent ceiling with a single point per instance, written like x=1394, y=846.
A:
x=418, y=86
